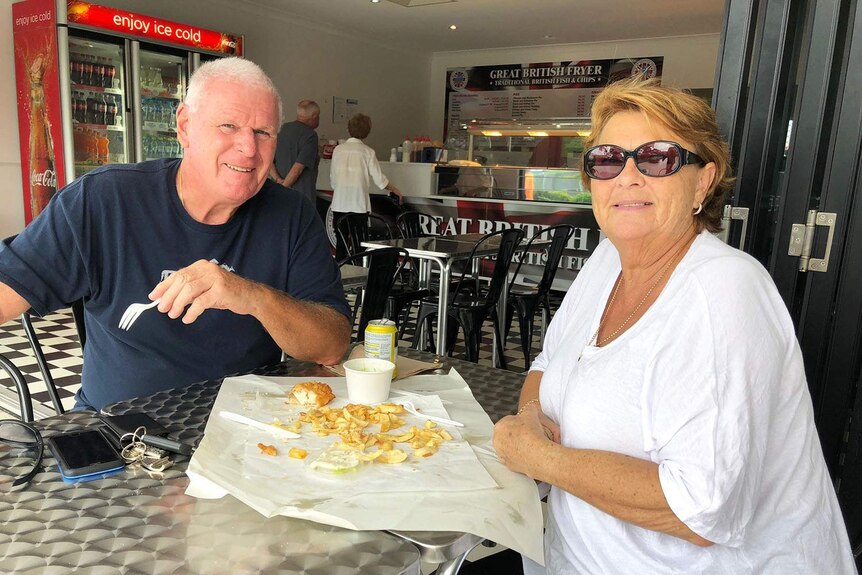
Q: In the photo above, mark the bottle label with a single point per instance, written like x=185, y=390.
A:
x=47, y=179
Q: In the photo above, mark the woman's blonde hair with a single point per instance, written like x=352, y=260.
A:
x=684, y=114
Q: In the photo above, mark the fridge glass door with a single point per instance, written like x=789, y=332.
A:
x=98, y=102
x=162, y=78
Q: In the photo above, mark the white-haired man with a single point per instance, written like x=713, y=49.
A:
x=296, y=153
x=245, y=267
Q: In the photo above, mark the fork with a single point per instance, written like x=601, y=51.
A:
x=133, y=312
x=410, y=408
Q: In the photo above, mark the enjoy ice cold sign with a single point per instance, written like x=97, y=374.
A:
x=154, y=28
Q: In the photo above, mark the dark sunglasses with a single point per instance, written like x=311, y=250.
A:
x=655, y=159
x=16, y=472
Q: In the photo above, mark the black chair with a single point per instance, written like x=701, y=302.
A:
x=409, y=224
x=353, y=229
x=528, y=301
x=39, y=354
x=24, y=402
x=383, y=266
x=470, y=311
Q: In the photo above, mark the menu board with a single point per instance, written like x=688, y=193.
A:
x=539, y=91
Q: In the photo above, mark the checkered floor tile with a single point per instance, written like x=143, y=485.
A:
x=62, y=350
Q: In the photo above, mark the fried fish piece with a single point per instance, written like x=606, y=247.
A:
x=313, y=393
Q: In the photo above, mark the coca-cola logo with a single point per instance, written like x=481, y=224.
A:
x=47, y=179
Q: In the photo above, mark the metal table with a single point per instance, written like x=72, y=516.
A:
x=445, y=251
x=353, y=276
x=187, y=409
x=132, y=523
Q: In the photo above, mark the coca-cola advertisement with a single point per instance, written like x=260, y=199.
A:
x=38, y=87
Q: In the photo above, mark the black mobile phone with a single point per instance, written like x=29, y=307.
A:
x=83, y=455
x=155, y=436
x=130, y=422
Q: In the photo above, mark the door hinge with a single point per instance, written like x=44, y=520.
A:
x=733, y=213
x=802, y=241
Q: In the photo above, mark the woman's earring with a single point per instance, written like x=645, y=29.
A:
x=699, y=208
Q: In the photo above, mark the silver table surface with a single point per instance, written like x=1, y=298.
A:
x=353, y=276
x=187, y=409
x=132, y=523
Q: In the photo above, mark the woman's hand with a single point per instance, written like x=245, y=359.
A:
x=519, y=439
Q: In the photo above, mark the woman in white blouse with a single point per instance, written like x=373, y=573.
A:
x=354, y=173
x=669, y=409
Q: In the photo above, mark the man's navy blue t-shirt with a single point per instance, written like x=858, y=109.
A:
x=113, y=234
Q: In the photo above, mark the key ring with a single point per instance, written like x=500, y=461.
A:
x=136, y=450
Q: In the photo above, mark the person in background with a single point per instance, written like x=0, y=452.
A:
x=669, y=409
x=244, y=267
x=296, y=152
x=353, y=172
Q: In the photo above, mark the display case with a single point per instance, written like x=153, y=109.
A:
x=539, y=161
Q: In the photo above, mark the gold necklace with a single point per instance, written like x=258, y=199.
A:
x=634, y=311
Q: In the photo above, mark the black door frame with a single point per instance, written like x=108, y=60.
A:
x=798, y=60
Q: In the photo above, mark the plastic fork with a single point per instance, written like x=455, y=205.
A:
x=133, y=312
x=410, y=408
x=258, y=424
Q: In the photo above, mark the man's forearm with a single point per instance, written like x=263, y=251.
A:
x=304, y=330
x=292, y=175
x=11, y=304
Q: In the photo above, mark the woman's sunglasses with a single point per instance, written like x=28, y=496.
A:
x=655, y=159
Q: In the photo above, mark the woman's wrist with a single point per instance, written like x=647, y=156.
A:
x=526, y=405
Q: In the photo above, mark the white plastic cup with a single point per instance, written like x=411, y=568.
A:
x=368, y=379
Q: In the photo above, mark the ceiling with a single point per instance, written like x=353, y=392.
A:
x=424, y=26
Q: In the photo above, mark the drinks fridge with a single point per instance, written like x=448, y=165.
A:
x=97, y=85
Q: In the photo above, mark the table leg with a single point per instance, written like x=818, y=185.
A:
x=442, y=300
x=452, y=566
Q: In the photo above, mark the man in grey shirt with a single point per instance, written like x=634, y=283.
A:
x=296, y=152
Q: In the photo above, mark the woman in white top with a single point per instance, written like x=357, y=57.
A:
x=669, y=409
x=354, y=173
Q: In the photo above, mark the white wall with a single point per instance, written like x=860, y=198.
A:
x=11, y=197
x=305, y=60
x=689, y=62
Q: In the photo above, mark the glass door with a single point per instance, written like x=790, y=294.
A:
x=162, y=80
x=98, y=102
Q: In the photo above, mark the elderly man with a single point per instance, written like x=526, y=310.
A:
x=244, y=267
x=296, y=152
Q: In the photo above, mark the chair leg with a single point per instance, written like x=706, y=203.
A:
x=499, y=340
x=525, y=323
x=510, y=312
x=472, y=336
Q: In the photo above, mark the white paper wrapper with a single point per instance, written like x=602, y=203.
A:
x=454, y=490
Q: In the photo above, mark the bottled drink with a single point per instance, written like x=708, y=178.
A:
x=43, y=178
x=101, y=110
x=103, y=145
x=87, y=71
x=111, y=114
x=98, y=71
x=77, y=67
x=92, y=109
x=110, y=74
